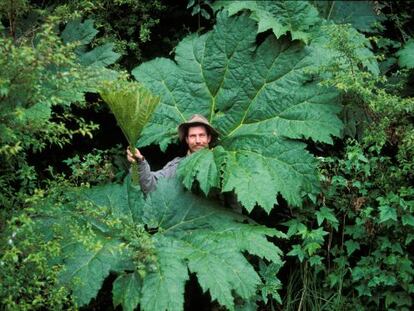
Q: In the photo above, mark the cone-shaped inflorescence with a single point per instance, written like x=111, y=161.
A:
x=132, y=105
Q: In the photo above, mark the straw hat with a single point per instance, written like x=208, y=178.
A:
x=196, y=120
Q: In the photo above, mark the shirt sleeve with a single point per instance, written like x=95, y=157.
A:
x=148, y=179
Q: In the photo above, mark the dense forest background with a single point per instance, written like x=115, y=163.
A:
x=346, y=235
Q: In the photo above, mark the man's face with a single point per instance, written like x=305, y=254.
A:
x=197, y=138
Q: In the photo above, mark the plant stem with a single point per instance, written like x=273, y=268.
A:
x=332, y=4
x=305, y=285
x=134, y=168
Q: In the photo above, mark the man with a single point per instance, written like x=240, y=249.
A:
x=197, y=133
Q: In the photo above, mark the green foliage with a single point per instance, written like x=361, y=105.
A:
x=95, y=168
x=83, y=33
x=363, y=89
x=241, y=90
x=350, y=238
x=405, y=55
x=153, y=244
x=94, y=238
x=27, y=280
x=386, y=270
x=365, y=215
x=346, y=49
x=126, y=23
x=312, y=240
x=305, y=291
x=42, y=83
x=11, y=11
x=34, y=83
x=200, y=7
x=272, y=284
x=353, y=243
x=362, y=15
x=295, y=17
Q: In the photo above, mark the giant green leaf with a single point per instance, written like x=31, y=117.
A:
x=87, y=226
x=133, y=105
x=300, y=19
x=91, y=244
x=163, y=289
x=188, y=234
x=295, y=17
x=261, y=100
x=86, y=268
x=195, y=233
x=120, y=200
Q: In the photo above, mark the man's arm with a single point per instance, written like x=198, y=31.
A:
x=147, y=179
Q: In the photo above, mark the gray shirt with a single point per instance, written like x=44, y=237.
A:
x=148, y=179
